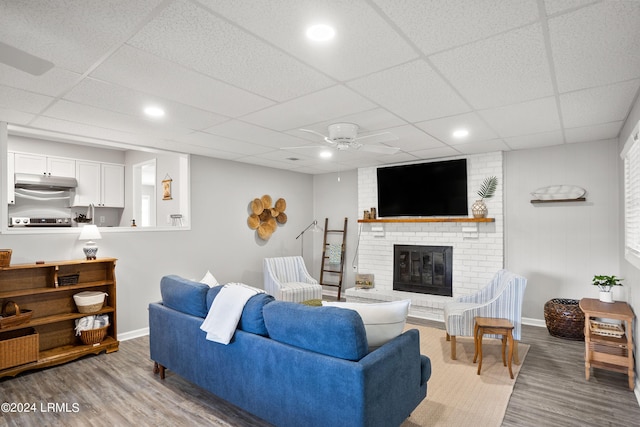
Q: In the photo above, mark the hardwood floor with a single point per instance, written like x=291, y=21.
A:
x=120, y=389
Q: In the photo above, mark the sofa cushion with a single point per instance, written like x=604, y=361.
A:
x=327, y=330
x=383, y=321
x=251, y=319
x=184, y=295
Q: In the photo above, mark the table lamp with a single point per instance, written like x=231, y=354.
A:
x=90, y=232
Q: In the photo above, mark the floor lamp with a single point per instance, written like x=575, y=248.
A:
x=314, y=228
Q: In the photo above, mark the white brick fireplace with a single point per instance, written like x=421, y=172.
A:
x=478, y=248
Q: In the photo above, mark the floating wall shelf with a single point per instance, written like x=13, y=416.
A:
x=579, y=199
x=409, y=220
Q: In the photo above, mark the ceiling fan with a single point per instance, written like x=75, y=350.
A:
x=344, y=136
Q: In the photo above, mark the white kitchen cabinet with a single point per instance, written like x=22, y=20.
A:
x=112, y=189
x=11, y=195
x=99, y=183
x=43, y=165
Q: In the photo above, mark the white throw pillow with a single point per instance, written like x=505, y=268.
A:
x=208, y=279
x=382, y=321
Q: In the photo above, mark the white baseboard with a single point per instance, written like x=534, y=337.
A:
x=636, y=391
x=133, y=334
x=534, y=322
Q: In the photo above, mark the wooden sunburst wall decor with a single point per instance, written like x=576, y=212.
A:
x=265, y=217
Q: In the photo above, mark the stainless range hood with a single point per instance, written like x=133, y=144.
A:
x=44, y=182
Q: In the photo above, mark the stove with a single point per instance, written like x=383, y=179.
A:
x=39, y=222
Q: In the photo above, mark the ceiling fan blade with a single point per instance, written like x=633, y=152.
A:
x=380, y=149
x=312, y=131
x=23, y=61
x=385, y=136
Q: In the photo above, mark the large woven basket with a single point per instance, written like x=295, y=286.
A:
x=93, y=336
x=18, y=347
x=564, y=318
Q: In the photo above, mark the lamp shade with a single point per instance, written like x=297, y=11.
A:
x=90, y=232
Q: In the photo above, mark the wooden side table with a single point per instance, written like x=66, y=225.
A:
x=613, y=353
x=490, y=325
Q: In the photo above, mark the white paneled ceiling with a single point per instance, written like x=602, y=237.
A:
x=238, y=79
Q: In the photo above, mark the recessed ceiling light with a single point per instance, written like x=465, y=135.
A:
x=320, y=32
x=460, y=133
x=326, y=154
x=153, y=111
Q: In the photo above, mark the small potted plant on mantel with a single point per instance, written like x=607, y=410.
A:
x=487, y=190
x=605, y=283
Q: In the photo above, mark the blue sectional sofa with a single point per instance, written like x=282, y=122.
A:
x=288, y=363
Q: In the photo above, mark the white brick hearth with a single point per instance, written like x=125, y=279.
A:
x=478, y=248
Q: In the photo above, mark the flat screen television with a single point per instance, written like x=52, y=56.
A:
x=423, y=189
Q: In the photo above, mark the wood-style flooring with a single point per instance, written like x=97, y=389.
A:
x=119, y=389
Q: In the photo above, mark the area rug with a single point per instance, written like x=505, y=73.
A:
x=456, y=395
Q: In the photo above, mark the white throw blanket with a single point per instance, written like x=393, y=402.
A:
x=225, y=311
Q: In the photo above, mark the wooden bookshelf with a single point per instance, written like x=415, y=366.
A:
x=36, y=287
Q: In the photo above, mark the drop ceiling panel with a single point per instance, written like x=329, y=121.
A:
x=466, y=20
x=72, y=35
x=326, y=104
x=411, y=138
x=526, y=118
x=596, y=45
x=443, y=129
x=434, y=153
x=504, y=69
x=139, y=70
x=360, y=30
x=52, y=83
x=555, y=6
x=11, y=115
x=74, y=112
x=195, y=38
x=482, y=147
x=21, y=100
x=120, y=99
x=543, y=139
x=217, y=142
x=598, y=105
x=255, y=134
x=594, y=132
x=368, y=121
x=413, y=91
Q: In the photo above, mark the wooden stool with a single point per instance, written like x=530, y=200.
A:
x=490, y=325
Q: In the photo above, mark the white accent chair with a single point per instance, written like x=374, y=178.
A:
x=287, y=279
x=501, y=298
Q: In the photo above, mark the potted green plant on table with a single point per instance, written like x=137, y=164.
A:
x=605, y=284
x=487, y=190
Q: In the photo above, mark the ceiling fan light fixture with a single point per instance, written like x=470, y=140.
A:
x=346, y=132
x=326, y=154
x=321, y=32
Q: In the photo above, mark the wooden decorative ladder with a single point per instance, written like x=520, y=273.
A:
x=335, y=271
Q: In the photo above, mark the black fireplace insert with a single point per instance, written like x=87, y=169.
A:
x=423, y=269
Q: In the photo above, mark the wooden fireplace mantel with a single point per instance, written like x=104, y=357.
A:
x=432, y=219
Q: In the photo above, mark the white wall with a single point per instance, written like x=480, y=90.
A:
x=335, y=197
x=219, y=239
x=560, y=246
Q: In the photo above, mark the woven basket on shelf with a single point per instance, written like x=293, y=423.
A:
x=5, y=257
x=564, y=318
x=93, y=336
x=11, y=315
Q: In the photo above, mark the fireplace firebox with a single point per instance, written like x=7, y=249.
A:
x=423, y=269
